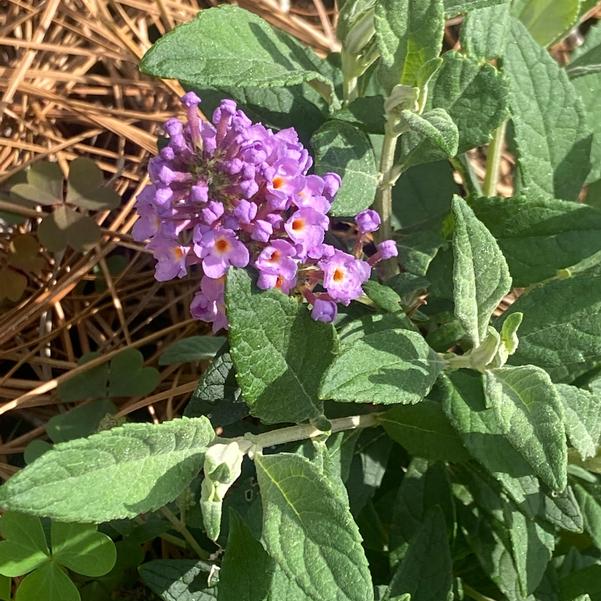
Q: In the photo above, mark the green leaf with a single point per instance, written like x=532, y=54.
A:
x=426, y=571
x=217, y=395
x=298, y=106
x=561, y=331
x=457, y=7
x=424, y=486
x=483, y=436
x=587, y=58
x=344, y=149
x=485, y=31
x=92, y=384
x=114, y=474
x=532, y=545
x=591, y=510
x=14, y=284
x=425, y=431
x=582, y=418
x=24, y=253
x=552, y=139
x=530, y=415
x=5, y=588
x=80, y=421
x=191, y=350
x=66, y=227
x=430, y=137
x=423, y=193
x=480, y=274
x=44, y=184
x=49, y=583
x=229, y=46
x=384, y=297
x=129, y=377
x=273, y=341
x=409, y=34
x=247, y=571
x=587, y=88
x=576, y=586
x=36, y=448
x=367, y=468
x=474, y=94
x=178, y=579
x=309, y=532
x=546, y=20
x=124, y=376
x=82, y=549
x=386, y=367
x=86, y=188
x=538, y=236
x=24, y=548
x=366, y=112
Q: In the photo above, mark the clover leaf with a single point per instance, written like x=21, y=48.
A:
x=76, y=547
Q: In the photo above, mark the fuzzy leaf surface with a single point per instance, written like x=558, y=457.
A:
x=474, y=94
x=582, y=411
x=309, y=531
x=561, y=331
x=425, y=431
x=229, y=46
x=552, y=137
x=409, y=34
x=114, y=474
x=344, y=149
x=539, y=236
x=385, y=367
x=530, y=415
x=274, y=346
x=480, y=273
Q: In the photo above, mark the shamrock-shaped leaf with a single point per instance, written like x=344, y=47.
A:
x=13, y=284
x=82, y=549
x=36, y=448
x=49, y=583
x=44, y=185
x=86, y=187
x=129, y=377
x=78, y=547
x=124, y=376
x=24, y=253
x=24, y=546
x=66, y=227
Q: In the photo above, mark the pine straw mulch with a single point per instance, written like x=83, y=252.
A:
x=70, y=87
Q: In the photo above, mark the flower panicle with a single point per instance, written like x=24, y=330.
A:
x=231, y=192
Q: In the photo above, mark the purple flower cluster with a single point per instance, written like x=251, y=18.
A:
x=232, y=192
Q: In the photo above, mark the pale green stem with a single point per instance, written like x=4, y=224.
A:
x=474, y=594
x=493, y=162
x=307, y=431
x=383, y=201
x=183, y=530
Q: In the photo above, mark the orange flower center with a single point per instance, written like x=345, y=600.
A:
x=338, y=275
x=275, y=256
x=278, y=182
x=222, y=245
x=298, y=224
x=279, y=282
x=178, y=253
